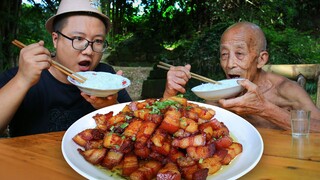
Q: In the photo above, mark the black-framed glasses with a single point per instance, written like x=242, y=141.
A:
x=80, y=43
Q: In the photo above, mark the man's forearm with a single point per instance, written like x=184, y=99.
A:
x=277, y=115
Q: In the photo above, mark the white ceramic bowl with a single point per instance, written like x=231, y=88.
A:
x=213, y=92
x=100, y=84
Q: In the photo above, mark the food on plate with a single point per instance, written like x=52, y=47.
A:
x=168, y=138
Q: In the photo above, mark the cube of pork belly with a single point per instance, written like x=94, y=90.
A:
x=130, y=164
x=132, y=106
x=144, y=134
x=147, y=171
x=126, y=109
x=112, y=141
x=188, y=125
x=158, y=137
x=117, y=142
x=158, y=157
x=143, y=152
x=181, y=134
x=112, y=159
x=169, y=172
x=115, y=120
x=132, y=129
x=210, y=126
x=201, y=152
x=171, y=122
x=135, y=105
x=146, y=115
x=175, y=154
x=188, y=114
x=94, y=156
x=87, y=135
x=94, y=144
x=212, y=163
x=200, y=174
x=164, y=149
x=180, y=100
x=223, y=131
x=223, y=142
x=233, y=151
x=203, y=113
x=102, y=119
x=197, y=140
x=188, y=171
x=185, y=161
x=146, y=102
x=221, y=154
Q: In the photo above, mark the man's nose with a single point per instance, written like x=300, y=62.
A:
x=88, y=49
x=231, y=61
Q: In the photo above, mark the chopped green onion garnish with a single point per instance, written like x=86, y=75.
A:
x=112, y=127
x=200, y=160
x=124, y=125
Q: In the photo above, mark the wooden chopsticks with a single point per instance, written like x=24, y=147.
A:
x=193, y=75
x=57, y=65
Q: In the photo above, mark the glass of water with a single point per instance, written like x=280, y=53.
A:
x=300, y=122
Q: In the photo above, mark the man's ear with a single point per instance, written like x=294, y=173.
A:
x=54, y=38
x=263, y=59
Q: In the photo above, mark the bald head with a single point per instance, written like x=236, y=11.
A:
x=253, y=34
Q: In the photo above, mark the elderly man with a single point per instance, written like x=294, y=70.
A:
x=268, y=97
x=36, y=97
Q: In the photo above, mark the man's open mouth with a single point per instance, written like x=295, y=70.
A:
x=232, y=76
x=84, y=63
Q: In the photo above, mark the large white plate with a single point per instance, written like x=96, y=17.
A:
x=240, y=129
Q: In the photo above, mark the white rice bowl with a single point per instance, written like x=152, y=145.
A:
x=100, y=84
x=226, y=89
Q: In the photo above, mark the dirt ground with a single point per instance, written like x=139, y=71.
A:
x=136, y=75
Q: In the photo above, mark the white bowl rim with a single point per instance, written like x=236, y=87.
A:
x=233, y=86
x=74, y=82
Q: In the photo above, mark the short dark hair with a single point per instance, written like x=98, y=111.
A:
x=60, y=21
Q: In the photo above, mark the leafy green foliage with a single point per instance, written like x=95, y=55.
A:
x=191, y=30
x=31, y=31
x=292, y=47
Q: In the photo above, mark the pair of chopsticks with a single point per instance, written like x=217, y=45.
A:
x=193, y=75
x=57, y=65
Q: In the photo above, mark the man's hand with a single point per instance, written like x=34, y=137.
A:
x=32, y=60
x=100, y=102
x=177, y=78
x=252, y=102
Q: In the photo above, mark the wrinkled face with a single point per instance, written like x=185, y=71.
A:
x=80, y=26
x=238, y=54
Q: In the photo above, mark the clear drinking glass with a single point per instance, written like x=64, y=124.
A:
x=300, y=122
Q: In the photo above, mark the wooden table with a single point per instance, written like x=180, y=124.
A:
x=40, y=157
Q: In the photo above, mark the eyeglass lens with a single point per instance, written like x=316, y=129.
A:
x=82, y=44
x=79, y=43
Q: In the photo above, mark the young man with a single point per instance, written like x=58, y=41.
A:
x=36, y=97
x=268, y=97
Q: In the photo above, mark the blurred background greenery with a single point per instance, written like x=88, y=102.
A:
x=177, y=32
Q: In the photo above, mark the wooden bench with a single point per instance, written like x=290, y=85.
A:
x=298, y=72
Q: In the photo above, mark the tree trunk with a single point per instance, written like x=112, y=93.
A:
x=9, y=13
x=105, y=8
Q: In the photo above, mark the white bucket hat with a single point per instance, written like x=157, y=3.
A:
x=68, y=6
